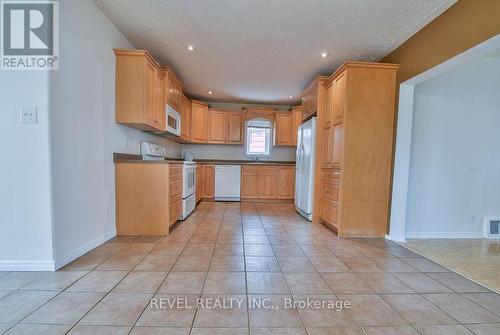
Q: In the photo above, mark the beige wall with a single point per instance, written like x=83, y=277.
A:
x=464, y=25
x=461, y=27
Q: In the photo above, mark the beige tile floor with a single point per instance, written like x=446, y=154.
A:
x=247, y=252
x=476, y=259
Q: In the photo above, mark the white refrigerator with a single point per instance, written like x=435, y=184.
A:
x=304, y=168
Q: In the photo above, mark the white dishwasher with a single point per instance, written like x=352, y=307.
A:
x=227, y=182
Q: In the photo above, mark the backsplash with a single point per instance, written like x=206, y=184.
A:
x=236, y=152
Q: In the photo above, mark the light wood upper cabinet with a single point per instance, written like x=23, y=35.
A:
x=150, y=94
x=286, y=182
x=160, y=118
x=296, y=122
x=339, y=85
x=217, y=121
x=208, y=181
x=327, y=127
x=283, y=129
x=225, y=127
x=138, y=90
x=310, y=100
x=199, y=116
x=173, y=89
x=313, y=99
x=286, y=127
x=234, y=128
x=327, y=116
x=185, y=119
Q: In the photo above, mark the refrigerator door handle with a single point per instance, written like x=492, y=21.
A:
x=299, y=159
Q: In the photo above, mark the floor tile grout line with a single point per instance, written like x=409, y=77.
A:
x=446, y=313
x=14, y=324
x=409, y=322
x=464, y=294
x=333, y=292
x=176, y=260
x=51, y=299
x=421, y=255
x=245, y=268
x=350, y=314
x=447, y=286
x=107, y=293
x=64, y=290
x=208, y=269
x=271, y=226
x=288, y=287
x=380, y=295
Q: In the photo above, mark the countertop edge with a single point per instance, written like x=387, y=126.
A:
x=131, y=158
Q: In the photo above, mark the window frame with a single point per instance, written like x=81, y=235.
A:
x=268, y=144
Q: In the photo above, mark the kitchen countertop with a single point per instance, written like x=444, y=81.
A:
x=242, y=162
x=130, y=158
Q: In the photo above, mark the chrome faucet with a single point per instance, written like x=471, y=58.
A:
x=256, y=159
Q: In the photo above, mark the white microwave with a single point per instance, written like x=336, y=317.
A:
x=173, y=121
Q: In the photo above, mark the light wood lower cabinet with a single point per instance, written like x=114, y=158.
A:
x=286, y=182
x=249, y=185
x=296, y=122
x=175, y=192
x=199, y=182
x=267, y=182
x=143, y=202
x=208, y=181
x=329, y=213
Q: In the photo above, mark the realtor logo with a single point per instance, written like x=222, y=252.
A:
x=29, y=35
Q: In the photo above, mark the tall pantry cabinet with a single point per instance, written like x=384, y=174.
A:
x=357, y=139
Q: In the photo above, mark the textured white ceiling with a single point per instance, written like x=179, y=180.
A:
x=265, y=50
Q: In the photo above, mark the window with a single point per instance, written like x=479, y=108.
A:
x=258, y=137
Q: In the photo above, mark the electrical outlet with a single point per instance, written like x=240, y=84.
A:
x=28, y=114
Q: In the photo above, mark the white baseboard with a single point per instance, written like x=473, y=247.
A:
x=395, y=238
x=59, y=263
x=27, y=266
x=444, y=235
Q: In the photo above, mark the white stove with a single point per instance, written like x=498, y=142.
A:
x=153, y=151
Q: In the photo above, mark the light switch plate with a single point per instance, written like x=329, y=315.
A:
x=28, y=114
